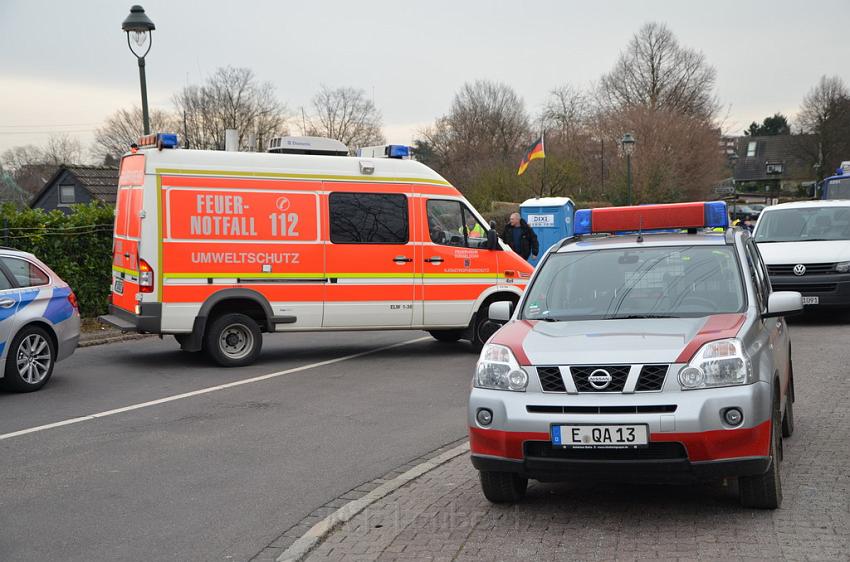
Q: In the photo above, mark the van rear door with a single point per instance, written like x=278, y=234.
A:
x=127, y=232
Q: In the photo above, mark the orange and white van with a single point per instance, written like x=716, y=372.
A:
x=217, y=247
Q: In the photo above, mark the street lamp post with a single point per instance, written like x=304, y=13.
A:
x=628, y=143
x=140, y=27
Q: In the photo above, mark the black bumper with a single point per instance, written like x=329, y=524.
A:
x=831, y=289
x=647, y=470
x=148, y=322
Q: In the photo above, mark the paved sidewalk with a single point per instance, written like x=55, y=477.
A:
x=443, y=516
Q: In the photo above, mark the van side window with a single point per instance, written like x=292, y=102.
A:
x=368, y=218
x=450, y=223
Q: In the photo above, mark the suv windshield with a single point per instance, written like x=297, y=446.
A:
x=801, y=225
x=667, y=282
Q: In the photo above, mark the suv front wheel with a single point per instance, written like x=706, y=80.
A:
x=764, y=491
x=502, y=487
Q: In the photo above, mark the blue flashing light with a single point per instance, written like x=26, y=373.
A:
x=583, y=221
x=398, y=151
x=166, y=140
x=716, y=215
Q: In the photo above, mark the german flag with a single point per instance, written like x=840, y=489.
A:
x=534, y=152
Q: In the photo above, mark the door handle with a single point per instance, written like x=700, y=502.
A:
x=7, y=303
x=402, y=259
x=435, y=259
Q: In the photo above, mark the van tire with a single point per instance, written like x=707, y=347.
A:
x=233, y=340
x=31, y=340
x=502, y=487
x=446, y=336
x=764, y=491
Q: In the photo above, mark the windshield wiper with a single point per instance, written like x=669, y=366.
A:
x=638, y=316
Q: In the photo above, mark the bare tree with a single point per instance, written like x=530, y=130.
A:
x=655, y=71
x=567, y=110
x=479, y=143
x=825, y=113
x=347, y=115
x=231, y=98
x=62, y=149
x=124, y=127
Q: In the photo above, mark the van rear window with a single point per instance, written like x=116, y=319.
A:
x=368, y=218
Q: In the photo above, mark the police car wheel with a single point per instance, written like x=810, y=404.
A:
x=233, y=340
x=502, y=487
x=29, y=363
x=764, y=491
x=446, y=336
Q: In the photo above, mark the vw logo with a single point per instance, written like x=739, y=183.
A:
x=282, y=204
x=799, y=269
x=599, y=379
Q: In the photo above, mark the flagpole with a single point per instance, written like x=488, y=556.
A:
x=543, y=177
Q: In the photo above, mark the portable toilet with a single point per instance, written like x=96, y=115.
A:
x=551, y=218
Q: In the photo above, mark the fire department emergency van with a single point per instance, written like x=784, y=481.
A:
x=216, y=247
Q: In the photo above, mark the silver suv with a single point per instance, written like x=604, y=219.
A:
x=645, y=356
x=39, y=321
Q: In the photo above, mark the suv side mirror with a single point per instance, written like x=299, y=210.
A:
x=493, y=239
x=501, y=311
x=783, y=303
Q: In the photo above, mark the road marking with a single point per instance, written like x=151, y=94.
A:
x=207, y=390
x=318, y=532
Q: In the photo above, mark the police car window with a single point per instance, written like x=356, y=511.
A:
x=4, y=282
x=368, y=218
x=25, y=273
x=450, y=223
x=752, y=267
x=643, y=282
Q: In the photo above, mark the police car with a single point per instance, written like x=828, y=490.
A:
x=647, y=347
x=39, y=321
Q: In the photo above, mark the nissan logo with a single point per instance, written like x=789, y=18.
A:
x=599, y=379
x=799, y=270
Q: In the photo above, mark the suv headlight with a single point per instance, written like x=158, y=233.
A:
x=842, y=267
x=717, y=363
x=498, y=369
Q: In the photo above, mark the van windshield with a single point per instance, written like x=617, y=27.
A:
x=667, y=282
x=804, y=225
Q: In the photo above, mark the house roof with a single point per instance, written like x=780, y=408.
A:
x=788, y=150
x=100, y=181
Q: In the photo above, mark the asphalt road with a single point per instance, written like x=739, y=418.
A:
x=215, y=476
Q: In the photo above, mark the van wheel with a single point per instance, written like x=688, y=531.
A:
x=446, y=336
x=502, y=487
x=30, y=360
x=764, y=491
x=233, y=340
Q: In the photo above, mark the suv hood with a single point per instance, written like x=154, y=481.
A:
x=627, y=341
x=786, y=253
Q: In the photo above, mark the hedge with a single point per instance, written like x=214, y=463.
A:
x=77, y=246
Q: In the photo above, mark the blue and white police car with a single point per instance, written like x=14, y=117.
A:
x=39, y=321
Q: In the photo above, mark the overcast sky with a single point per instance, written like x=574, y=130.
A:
x=65, y=66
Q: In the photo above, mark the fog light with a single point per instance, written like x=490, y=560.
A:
x=733, y=416
x=484, y=416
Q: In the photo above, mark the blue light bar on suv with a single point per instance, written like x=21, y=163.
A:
x=667, y=216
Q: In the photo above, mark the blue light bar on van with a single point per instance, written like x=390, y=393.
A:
x=158, y=140
x=711, y=214
x=398, y=151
